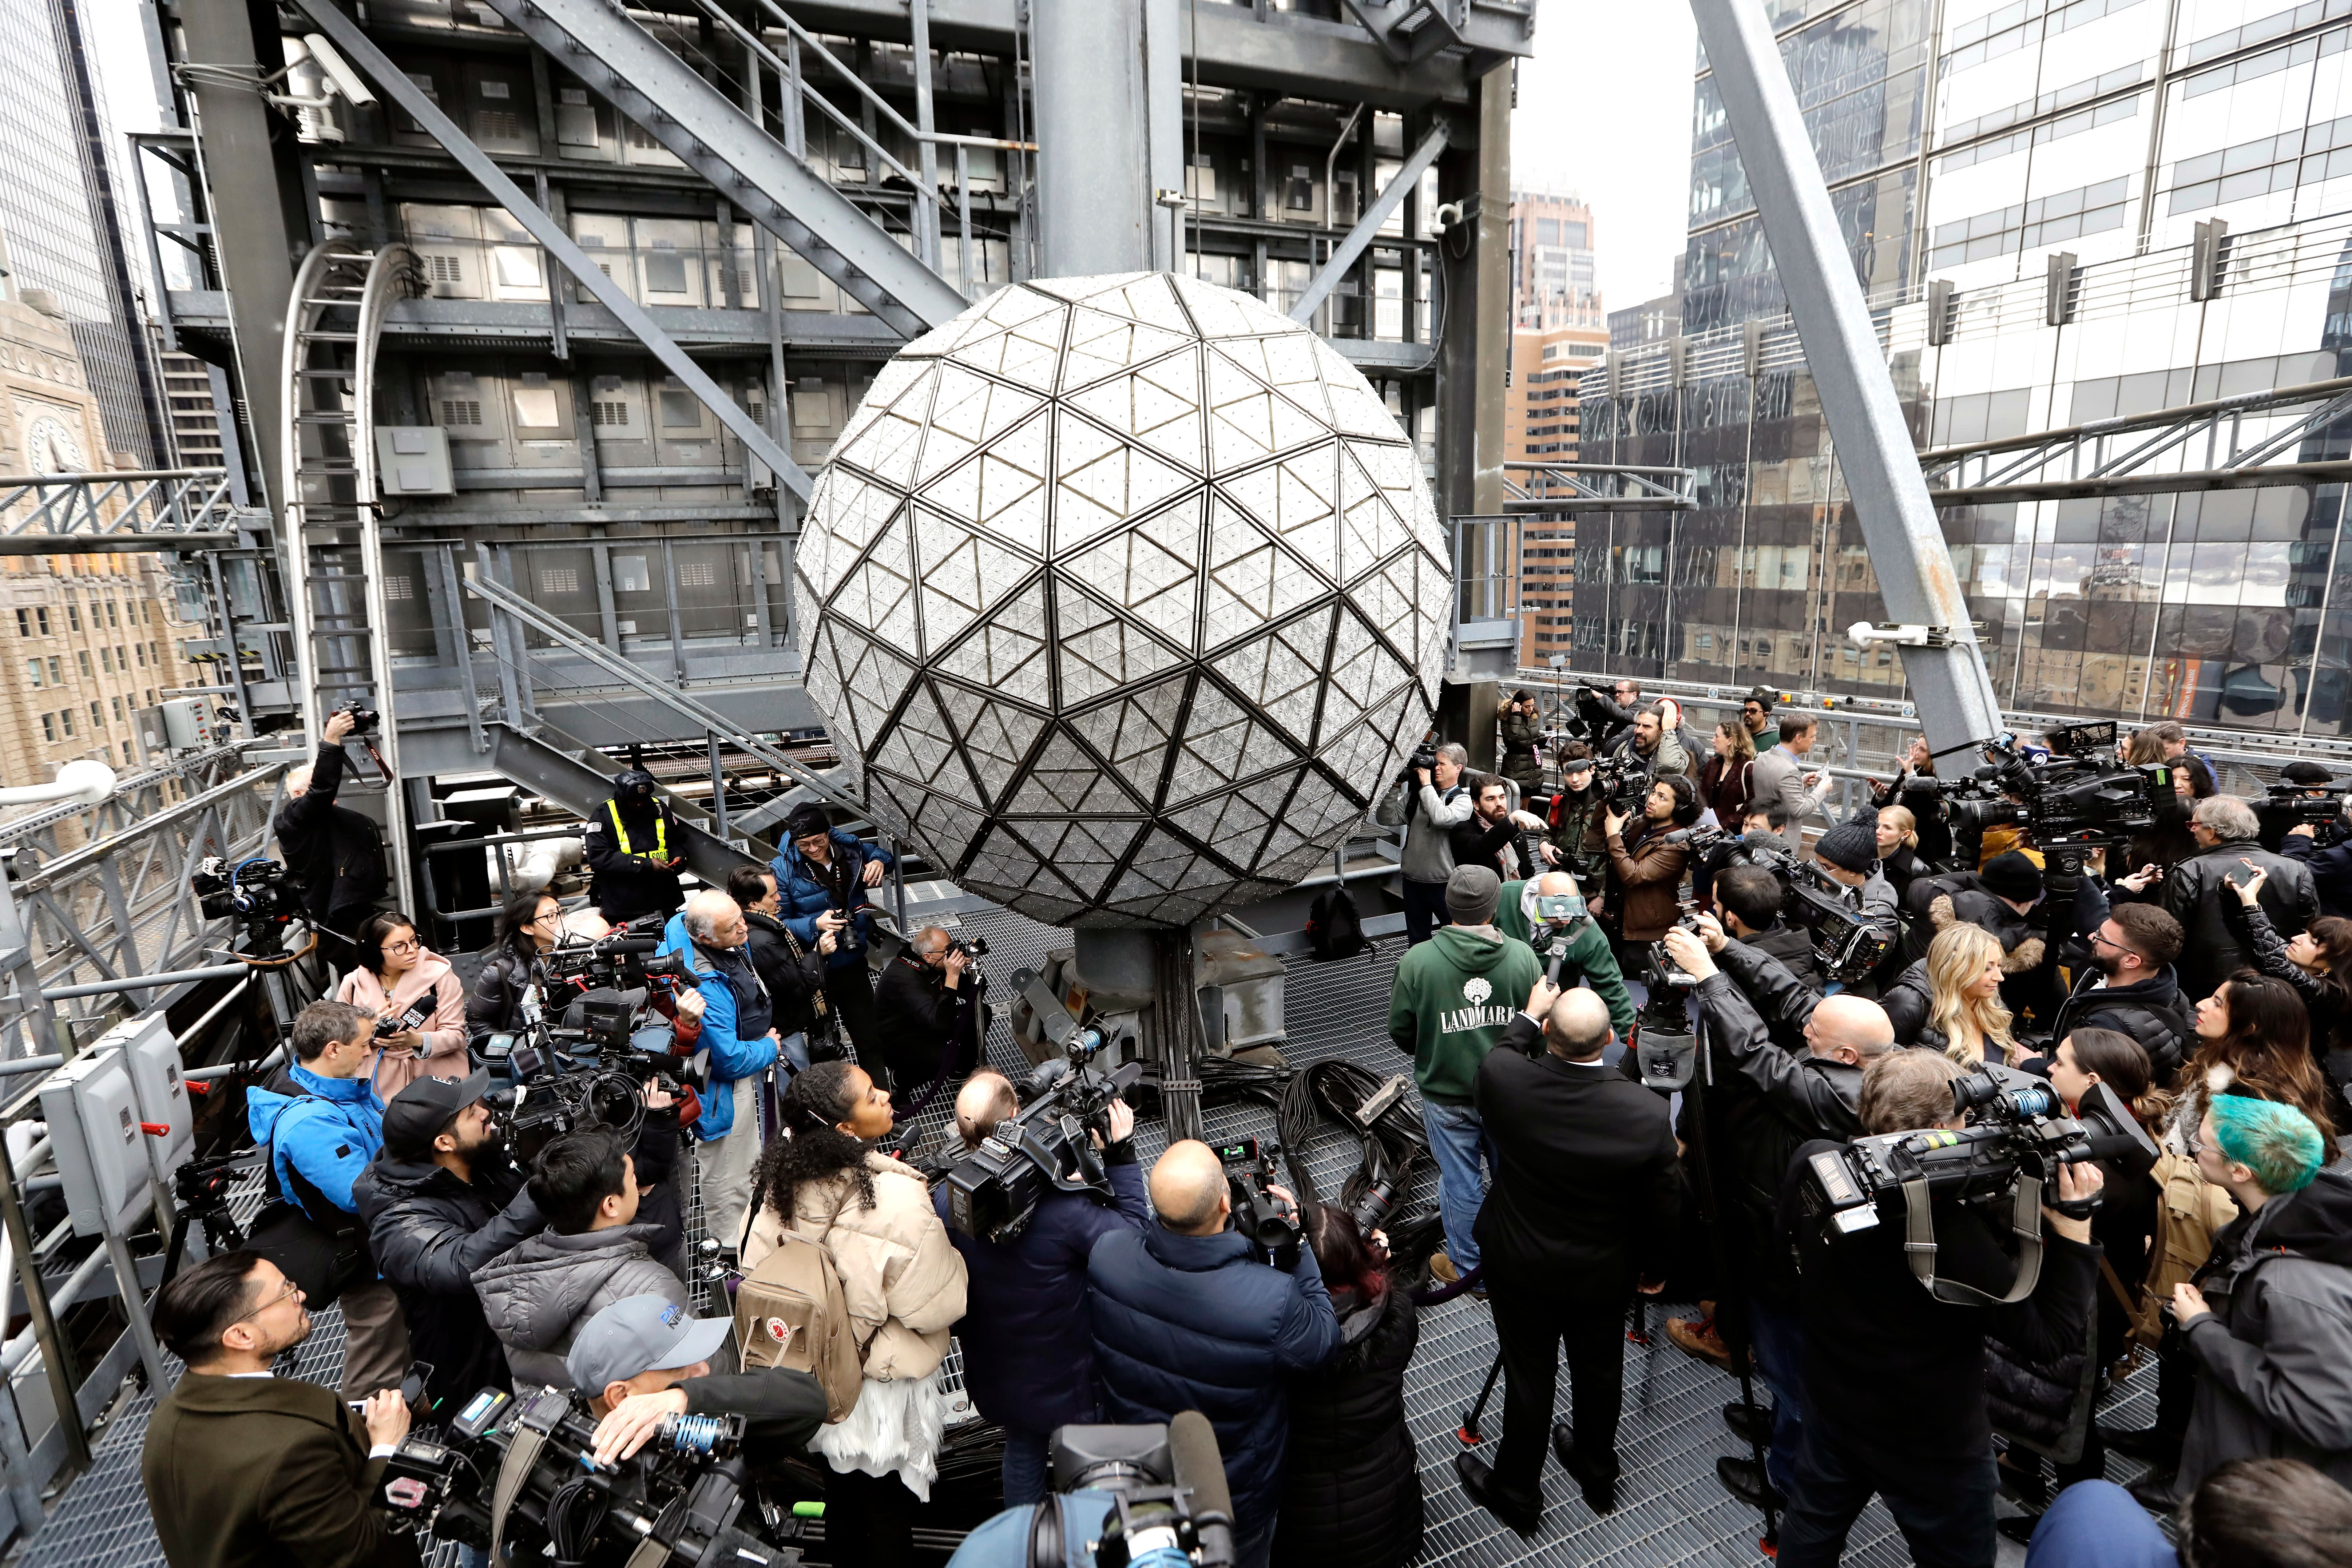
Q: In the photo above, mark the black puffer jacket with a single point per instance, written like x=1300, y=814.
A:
x=793, y=976
x=631, y=840
x=430, y=1232
x=1351, y=1482
x=1906, y=1003
x=2152, y=1011
x=336, y=852
x=494, y=1002
x=2044, y=1404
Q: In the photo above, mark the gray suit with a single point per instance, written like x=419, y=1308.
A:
x=1778, y=779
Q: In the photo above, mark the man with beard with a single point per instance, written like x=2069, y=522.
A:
x=2130, y=986
x=244, y=1467
x=1491, y=837
x=634, y=848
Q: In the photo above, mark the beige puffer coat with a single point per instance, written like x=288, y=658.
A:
x=902, y=1278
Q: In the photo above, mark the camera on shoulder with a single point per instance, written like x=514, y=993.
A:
x=993, y=1190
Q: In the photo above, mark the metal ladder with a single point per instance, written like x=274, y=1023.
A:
x=331, y=547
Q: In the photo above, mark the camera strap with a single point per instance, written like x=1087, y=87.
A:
x=513, y=1471
x=1919, y=1244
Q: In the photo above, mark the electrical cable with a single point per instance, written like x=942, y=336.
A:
x=574, y=1514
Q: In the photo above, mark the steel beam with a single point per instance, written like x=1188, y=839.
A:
x=1361, y=236
x=653, y=86
x=1874, y=451
x=1094, y=165
x=360, y=50
x=1475, y=351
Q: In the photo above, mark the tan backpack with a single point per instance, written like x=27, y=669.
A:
x=789, y=1311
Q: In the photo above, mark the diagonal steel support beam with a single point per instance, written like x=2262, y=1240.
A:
x=360, y=50
x=1391, y=195
x=1874, y=451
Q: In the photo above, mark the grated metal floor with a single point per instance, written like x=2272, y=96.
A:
x=1670, y=1509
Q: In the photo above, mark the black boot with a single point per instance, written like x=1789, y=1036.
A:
x=1597, y=1478
x=1747, y=1428
x=1478, y=1479
x=1744, y=1478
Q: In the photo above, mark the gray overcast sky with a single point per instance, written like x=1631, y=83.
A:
x=1604, y=111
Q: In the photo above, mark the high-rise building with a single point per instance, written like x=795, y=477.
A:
x=69, y=223
x=1552, y=262
x=1541, y=426
x=1651, y=321
x=1991, y=148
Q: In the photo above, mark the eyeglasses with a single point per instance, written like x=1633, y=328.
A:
x=392, y=947
x=2190, y=1144
x=291, y=1288
x=2104, y=940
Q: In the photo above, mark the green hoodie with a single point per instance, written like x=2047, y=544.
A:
x=1587, y=954
x=1454, y=996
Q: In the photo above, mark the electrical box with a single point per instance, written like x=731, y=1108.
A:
x=413, y=460
x=93, y=1117
x=152, y=1055
x=183, y=722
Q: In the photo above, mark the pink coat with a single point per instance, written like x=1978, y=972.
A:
x=445, y=1032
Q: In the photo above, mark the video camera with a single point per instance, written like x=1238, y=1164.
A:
x=547, y=1100
x=685, y=1490
x=1160, y=1491
x=1557, y=919
x=993, y=1190
x=1623, y=782
x=1270, y=1222
x=252, y=890
x=2081, y=798
x=624, y=959
x=2324, y=812
x=1847, y=946
x=2017, y=1127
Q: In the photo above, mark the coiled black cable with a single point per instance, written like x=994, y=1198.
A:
x=575, y=1512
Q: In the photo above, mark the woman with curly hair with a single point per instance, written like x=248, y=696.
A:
x=903, y=1285
x=1950, y=1000
x=2254, y=1037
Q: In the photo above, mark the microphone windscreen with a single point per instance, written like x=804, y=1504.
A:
x=1192, y=1450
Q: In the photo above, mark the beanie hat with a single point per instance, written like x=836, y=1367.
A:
x=2277, y=1143
x=1471, y=895
x=2013, y=876
x=807, y=819
x=1851, y=845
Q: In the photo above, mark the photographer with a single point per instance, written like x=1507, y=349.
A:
x=538, y=1295
x=1848, y=853
x=1775, y=1099
x=321, y=1125
x=1028, y=1361
x=2268, y=1316
x=634, y=848
x=1575, y=812
x=2129, y=986
x=441, y=1201
x=1780, y=778
x=902, y=1281
x=922, y=1011
x=2330, y=863
x=243, y=1468
x=1645, y=865
x=2308, y=782
x=1187, y=1317
x=644, y=1358
x=1447, y=1009
x=793, y=976
x=1429, y=803
x=1749, y=899
x=1652, y=742
x=401, y=982
x=1614, y=707
x=822, y=874
x=1894, y=1376
x=740, y=1037
x=1583, y=1214
x=528, y=929
x=335, y=853
x=1585, y=955
x=1522, y=736
x=1491, y=836
x=2214, y=940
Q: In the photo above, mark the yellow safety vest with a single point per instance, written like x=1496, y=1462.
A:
x=661, y=829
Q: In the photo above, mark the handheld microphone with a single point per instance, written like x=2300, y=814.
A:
x=1200, y=1470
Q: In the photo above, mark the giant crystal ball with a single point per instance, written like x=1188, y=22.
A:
x=1124, y=596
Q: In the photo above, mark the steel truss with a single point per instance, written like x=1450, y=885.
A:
x=2238, y=443
x=148, y=508
x=1597, y=487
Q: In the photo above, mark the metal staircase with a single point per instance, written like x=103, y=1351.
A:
x=331, y=544
x=700, y=126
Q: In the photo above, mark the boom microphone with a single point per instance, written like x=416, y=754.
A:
x=1200, y=1470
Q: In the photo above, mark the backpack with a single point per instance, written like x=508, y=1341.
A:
x=789, y=1311
x=1334, y=930
x=323, y=1259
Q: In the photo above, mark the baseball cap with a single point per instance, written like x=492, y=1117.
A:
x=418, y=1112
x=642, y=1333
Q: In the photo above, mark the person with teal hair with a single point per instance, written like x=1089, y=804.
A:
x=2269, y=1318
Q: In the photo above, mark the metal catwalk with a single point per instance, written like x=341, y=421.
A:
x=1670, y=1509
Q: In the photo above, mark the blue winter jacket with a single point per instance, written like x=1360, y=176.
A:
x=805, y=897
x=1025, y=1331
x=730, y=1059
x=329, y=1135
x=1195, y=1322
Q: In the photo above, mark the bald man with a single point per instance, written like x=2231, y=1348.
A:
x=1773, y=1101
x=922, y=1011
x=1582, y=1214
x=1028, y=1360
x=1188, y=1316
x=738, y=1032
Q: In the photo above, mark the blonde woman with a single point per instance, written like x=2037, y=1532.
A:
x=1898, y=848
x=1950, y=1000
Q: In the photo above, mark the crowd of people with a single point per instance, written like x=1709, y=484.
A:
x=2203, y=979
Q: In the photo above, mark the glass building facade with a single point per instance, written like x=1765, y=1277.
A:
x=1971, y=153
x=68, y=232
